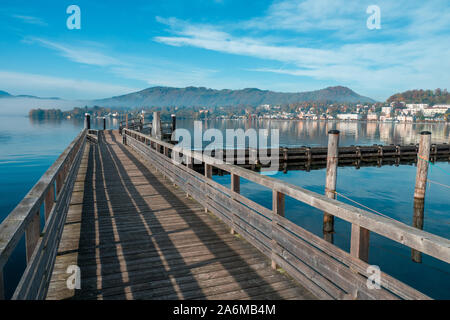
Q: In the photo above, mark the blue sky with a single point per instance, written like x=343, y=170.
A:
x=282, y=45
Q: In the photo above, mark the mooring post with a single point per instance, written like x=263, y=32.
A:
x=330, y=184
x=236, y=187
x=87, y=121
x=156, y=125
x=126, y=121
x=104, y=123
x=419, y=205
x=423, y=157
x=174, y=126
x=278, y=204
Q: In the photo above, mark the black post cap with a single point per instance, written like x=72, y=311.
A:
x=425, y=133
x=333, y=132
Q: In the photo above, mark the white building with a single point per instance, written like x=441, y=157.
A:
x=405, y=118
x=430, y=112
x=348, y=116
x=386, y=110
x=372, y=117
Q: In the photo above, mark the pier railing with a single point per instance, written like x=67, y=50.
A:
x=325, y=269
x=50, y=197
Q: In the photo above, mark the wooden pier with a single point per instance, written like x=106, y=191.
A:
x=139, y=225
x=136, y=236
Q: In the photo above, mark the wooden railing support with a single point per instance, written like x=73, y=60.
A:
x=278, y=204
x=359, y=243
x=32, y=234
x=330, y=184
x=235, y=186
x=325, y=269
x=49, y=201
x=208, y=174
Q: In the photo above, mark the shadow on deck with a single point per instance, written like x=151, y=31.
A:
x=136, y=236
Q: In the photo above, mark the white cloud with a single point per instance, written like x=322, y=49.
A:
x=402, y=56
x=30, y=20
x=79, y=54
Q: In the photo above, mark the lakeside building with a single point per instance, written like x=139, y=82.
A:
x=437, y=109
x=405, y=118
x=372, y=117
x=348, y=116
x=386, y=110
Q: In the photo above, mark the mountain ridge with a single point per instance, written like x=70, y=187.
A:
x=201, y=96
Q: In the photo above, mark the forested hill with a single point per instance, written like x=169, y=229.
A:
x=430, y=97
x=199, y=96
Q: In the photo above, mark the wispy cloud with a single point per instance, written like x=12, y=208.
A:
x=30, y=20
x=79, y=54
x=401, y=56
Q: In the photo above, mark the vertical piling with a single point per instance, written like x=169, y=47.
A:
x=330, y=184
x=87, y=121
x=104, y=123
x=419, y=206
x=174, y=126
x=126, y=121
x=423, y=157
x=156, y=125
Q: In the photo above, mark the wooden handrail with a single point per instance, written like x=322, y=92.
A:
x=279, y=238
x=414, y=238
x=25, y=218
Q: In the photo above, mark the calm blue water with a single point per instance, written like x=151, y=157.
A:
x=28, y=148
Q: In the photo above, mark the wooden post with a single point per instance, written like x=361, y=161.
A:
x=59, y=183
x=278, y=209
x=359, y=243
x=419, y=205
x=236, y=187
x=104, y=123
x=87, y=121
x=422, y=164
x=174, y=126
x=126, y=121
x=32, y=234
x=330, y=184
x=49, y=201
x=156, y=125
x=208, y=174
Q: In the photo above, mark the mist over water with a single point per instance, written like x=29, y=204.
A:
x=28, y=148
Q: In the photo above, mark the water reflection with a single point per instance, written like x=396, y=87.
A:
x=295, y=133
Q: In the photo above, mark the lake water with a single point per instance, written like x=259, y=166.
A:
x=28, y=148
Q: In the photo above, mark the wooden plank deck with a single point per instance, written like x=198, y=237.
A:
x=136, y=236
